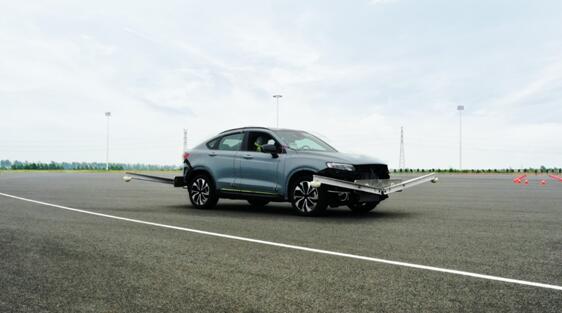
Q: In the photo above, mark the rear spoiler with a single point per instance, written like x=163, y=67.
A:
x=374, y=186
x=177, y=181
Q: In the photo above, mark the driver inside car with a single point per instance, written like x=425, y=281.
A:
x=260, y=141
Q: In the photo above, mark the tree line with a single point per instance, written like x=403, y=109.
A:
x=25, y=165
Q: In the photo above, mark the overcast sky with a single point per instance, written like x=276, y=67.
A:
x=351, y=71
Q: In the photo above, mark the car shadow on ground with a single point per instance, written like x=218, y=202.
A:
x=280, y=209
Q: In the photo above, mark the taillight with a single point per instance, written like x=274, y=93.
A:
x=186, y=155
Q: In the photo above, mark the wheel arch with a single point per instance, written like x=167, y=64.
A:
x=294, y=175
x=200, y=170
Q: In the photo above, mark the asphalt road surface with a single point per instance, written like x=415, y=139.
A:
x=56, y=260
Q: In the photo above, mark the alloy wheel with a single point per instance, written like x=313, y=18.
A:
x=200, y=191
x=305, y=197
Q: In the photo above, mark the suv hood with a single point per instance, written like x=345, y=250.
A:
x=354, y=159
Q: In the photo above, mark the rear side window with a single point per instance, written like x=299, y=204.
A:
x=231, y=142
x=213, y=143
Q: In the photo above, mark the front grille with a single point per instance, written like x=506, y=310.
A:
x=374, y=171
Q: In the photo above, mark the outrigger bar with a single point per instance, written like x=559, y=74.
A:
x=177, y=181
x=375, y=186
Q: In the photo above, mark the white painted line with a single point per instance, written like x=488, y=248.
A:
x=301, y=248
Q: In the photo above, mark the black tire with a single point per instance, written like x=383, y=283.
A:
x=305, y=199
x=258, y=202
x=362, y=207
x=201, y=192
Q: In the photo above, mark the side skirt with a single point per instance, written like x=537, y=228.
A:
x=229, y=193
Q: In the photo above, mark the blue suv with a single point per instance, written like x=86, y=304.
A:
x=262, y=164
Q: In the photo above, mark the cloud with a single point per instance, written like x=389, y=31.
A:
x=544, y=87
x=377, y=2
x=353, y=75
x=182, y=110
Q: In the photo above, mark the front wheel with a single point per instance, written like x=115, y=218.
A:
x=362, y=207
x=307, y=200
x=202, y=193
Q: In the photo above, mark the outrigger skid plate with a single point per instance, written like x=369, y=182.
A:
x=376, y=186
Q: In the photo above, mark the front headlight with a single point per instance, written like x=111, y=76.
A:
x=341, y=166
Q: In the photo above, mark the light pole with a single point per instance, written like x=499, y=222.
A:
x=108, y=115
x=277, y=99
x=460, y=108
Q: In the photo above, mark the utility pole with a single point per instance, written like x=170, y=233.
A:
x=277, y=100
x=185, y=140
x=107, y=115
x=460, y=108
x=402, y=160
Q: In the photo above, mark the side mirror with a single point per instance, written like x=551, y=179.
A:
x=270, y=149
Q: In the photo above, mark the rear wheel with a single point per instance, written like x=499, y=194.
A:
x=258, y=202
x=307, y=200
x=363, y=207
x=202, y=193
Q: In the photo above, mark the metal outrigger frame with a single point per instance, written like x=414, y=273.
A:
x=177, y=181
x=374, y=186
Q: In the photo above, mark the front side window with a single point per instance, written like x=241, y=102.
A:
x=231, y=142
x=257, y=139
x=303, y=141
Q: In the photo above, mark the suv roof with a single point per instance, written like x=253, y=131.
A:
x=244, y=128
x=256, y=127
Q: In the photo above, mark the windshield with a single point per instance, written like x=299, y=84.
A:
x=303, y=141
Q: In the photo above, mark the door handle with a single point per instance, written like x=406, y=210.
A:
x=212, y=154
x=248, y=156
